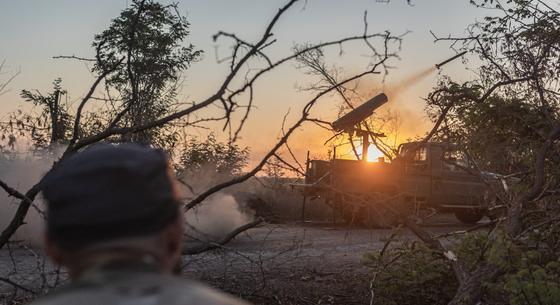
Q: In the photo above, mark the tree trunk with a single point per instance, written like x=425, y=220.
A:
x=54, y=118
x=19, y=217
x=470, y=287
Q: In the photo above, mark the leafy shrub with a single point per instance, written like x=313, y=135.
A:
x=534, y=284
x=411, y=273
x=211, y=155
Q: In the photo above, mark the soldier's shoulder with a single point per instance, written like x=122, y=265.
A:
x=155, y=289
x=198, y=293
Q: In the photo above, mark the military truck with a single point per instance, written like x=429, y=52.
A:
x=424, y=178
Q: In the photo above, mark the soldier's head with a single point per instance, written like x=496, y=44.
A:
x=113, y=203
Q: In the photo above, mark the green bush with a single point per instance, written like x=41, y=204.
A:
x=534, y=284
x=411, y=273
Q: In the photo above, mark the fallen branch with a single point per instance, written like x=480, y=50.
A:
x=210, y=245
x=471, y=229
x=13, y=192
x=16, y=285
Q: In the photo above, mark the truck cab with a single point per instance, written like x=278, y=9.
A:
x=441, y=176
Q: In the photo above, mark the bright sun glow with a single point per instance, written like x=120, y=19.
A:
x=373, y=153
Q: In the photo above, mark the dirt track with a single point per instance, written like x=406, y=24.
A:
x=311, y=263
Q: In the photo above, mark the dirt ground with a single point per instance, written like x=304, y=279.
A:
x=300, y=263
x=297, y=263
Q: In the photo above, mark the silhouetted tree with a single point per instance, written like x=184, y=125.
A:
x=212, y=156
x=146, y=43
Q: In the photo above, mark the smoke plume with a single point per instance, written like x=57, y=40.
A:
x=393, y=90
x=220, y=213
x=21, y=171
x=217, y=216
x=214, y=218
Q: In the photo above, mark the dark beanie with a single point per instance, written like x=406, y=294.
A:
x=108, y=192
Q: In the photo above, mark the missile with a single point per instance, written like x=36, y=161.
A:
x=360, y=113
x=450, y=59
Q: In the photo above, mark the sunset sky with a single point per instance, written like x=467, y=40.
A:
x=33, y=31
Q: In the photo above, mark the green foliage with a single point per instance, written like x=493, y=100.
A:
x=149, y=39
x=534, y=284
x=150, y=36
x=212, y=156
x=503, y=252
x=471, y=250
x=411, y=273
x=534, y=279
x=518, y=53
x=48, y=123
x=529, y=275
x=500, y=132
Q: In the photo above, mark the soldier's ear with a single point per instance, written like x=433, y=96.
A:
x=174, y=237
x=52, y=250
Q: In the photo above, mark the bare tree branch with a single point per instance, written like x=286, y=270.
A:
x=209, y=245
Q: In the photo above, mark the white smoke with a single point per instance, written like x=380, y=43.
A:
x=220, y=213
x=21, y=171
x=217, y=216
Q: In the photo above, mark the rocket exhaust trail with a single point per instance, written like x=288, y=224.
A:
x=395, y=89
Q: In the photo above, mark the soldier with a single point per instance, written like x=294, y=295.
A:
x=114, y=222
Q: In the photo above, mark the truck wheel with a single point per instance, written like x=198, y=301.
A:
x=470, y=216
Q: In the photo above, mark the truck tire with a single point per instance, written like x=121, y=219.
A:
x=470, y=216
